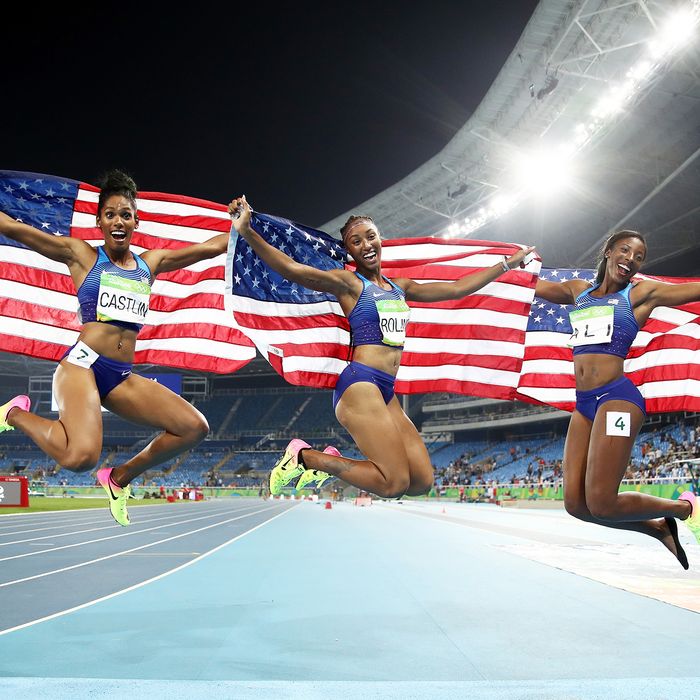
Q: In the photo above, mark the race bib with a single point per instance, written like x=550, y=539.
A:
x=393, y=318
x=122, y=299
x=591, y=326
x=82, y=355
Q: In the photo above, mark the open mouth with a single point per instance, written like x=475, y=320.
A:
x=370, y=256
x=623, y=269
x=119, y=236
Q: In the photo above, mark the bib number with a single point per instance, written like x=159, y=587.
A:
x=617, y=423
x=121, y=299
x=393, y=319
x=591, y=326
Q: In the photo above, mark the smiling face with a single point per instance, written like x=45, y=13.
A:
x=117, y=221
x=624, y=259
x=364, y=245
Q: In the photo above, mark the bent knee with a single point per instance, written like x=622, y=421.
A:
x=419, y=487
x=80, y=461
x=578, y=510
x=395, y=487
x=602, y=509
x=196, y=429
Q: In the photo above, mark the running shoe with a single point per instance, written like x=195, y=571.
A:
x=117, y=496
x=316, y=475
x=693, y=521
x=20, y=401
x=288, y=466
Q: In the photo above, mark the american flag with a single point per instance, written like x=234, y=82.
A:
x=664, y=360
x=188, y=326
x=473, y=345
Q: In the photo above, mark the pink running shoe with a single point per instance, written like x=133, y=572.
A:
x=288, y=466
x=118, y=497
x=316, y=476
x=693, y=521
x=21, y=401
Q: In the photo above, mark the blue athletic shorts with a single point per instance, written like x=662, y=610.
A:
x=622, y=389
x=357, y=372
x=108, y=373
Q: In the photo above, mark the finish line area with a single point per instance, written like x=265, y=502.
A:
x=270, y=599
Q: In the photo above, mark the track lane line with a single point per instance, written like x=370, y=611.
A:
x=128, y=551
x=143, y=583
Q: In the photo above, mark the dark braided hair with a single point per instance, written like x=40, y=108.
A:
x=351, y=222
x=116, y=182
x=612, y=240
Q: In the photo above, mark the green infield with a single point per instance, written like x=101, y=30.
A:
x=40, y=503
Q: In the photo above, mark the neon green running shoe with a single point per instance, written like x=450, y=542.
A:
x=316, y=475
x=117, y=496
x=693, y=521
x=288, y=466
x=23, y=402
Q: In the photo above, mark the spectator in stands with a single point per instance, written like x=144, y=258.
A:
x=609, y=408
x=365, y=404
x=113, y=285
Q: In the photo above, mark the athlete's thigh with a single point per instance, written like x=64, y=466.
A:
x=145, y=402
x=575, y=460
x=79, y=408
x=418, y=457
x=363, y=413
x=614, y=431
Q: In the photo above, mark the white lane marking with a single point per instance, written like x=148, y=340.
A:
x=130, y=533
x=94, y=529
x=47, y=513
x=142, y=583
x=86, y=511
x=126, y=551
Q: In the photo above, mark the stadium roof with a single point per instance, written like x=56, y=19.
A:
x=637, y=168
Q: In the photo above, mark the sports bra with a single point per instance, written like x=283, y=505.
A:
x=380, y=315
x=603, y=325
x=114, y=295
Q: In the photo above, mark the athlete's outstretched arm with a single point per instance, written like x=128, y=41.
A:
x=336, y=282
x=443, y=291
x=63, y=249
x=164, y=260
x=560, y=292
x=662, y=294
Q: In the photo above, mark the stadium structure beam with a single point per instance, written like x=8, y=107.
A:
x=672, y=176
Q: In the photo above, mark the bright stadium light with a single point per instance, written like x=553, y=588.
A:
x=543, y=173
x=675, y=32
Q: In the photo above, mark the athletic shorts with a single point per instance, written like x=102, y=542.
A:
x=108, y=373
x=357, y=372
x=622, y=389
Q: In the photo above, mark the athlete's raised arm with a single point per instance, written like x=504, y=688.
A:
x=443, y=291
x=63, y=249
x=336, y=282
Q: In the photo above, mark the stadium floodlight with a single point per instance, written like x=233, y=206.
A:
x=543, y=172
x=676, y=31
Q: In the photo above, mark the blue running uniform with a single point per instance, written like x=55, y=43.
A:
x=114, y=295
x=609, y=329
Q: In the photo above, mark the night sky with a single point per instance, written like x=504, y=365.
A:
x=308, y=110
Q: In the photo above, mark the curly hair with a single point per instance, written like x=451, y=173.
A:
x=116, y=182
x=608, y=245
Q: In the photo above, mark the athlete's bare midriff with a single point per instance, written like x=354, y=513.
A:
x=595, y=370
x=109, y=340
x=380, y=357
